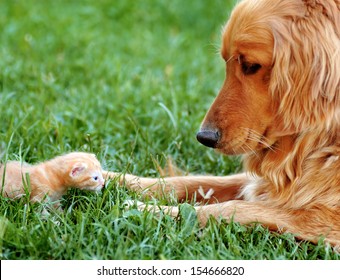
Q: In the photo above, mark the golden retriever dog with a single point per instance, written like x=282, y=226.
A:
x=280, y=107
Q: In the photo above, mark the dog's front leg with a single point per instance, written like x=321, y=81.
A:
x=308, y=224
x=210, y=189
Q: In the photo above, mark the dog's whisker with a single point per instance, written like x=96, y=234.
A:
x=250, y=149
x=255, y=136
x=257, y=140
x=230, y=58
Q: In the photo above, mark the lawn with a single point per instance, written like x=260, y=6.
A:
x=129, y=81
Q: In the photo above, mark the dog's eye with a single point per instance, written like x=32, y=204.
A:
x=250, y=68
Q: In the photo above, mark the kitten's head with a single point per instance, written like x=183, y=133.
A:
x=85, y=172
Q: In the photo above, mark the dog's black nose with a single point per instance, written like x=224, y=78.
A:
x=208, y=138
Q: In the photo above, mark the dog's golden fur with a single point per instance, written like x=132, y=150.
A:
x=280, y=106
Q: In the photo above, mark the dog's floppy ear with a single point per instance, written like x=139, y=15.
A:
x=306, y=67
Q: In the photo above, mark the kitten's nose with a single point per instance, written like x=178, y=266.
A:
x=208, y=138
x=102, y=182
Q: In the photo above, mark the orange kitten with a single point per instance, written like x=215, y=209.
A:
x=51, y=179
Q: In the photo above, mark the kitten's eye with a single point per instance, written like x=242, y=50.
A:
x=249, y=68
x=95, y=178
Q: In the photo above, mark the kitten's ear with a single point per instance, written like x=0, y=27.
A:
x=77, y=169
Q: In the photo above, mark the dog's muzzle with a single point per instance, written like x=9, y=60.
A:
x=208, y=138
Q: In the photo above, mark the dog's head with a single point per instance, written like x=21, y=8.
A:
x=283, y=74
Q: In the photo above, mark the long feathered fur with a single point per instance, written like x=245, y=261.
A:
x=279, y=106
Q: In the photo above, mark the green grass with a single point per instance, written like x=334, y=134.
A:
x=131, y=82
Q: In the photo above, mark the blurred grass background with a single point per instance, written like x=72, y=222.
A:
x=119, y=78
x=130, y=81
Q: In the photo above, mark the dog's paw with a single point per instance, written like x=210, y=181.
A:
x=153, y=208
x=134, y=203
